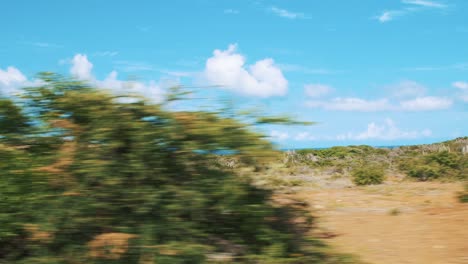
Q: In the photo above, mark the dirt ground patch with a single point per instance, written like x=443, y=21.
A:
x=405, y=222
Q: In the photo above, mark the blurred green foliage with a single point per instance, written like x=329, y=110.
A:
x=88, y=178
x=12, y=120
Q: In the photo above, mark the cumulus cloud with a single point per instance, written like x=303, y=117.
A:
x=351, y=104
x=317, y=90
x=278, y=135
x=385, y=131
x=227, y=68
x=152, y=90
x=426, y=103
x=11, y=76
x=463, y=87
x=12, y=79
x=405, y=96
x=81, y=67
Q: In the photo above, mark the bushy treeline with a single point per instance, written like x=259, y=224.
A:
x=447, y=160
x=86, y=177
x=433, y=165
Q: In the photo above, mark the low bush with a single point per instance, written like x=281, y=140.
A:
x=424, y=172
x=463, y=196
x=368, y=175
x=439, y=165
x=394, y=212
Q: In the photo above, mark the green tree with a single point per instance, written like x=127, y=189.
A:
x=102, y=181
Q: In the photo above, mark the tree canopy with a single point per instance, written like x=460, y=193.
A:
x=87, y=178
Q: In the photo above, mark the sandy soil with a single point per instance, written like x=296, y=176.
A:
x=395, y=223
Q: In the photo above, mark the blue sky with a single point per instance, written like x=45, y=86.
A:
x=368, y=71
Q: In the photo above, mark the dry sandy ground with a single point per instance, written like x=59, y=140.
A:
x=395, y=223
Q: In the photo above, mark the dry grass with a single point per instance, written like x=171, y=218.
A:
x=430, y=226
x=38, y=235
x=109, y=245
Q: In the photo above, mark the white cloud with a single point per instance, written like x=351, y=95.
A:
x=81, y=67
x=412, y=7
x=406, y=96
x=304, y=136
x=46, y=45
x=424, y=3
x=407, y=89
x=112, y=82
x=463, y=87
x=285, y=13
x=385, y=131
x=11, y=76
x=151, y=90
x=351, y=104
x=317, y=90
x=460, y=85
x=106, y=53
x=426, y=103
x=278, y=135
x=12, y=80
x=227, y=68
x=389, y=15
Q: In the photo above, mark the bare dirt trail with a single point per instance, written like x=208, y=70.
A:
x=396, y=223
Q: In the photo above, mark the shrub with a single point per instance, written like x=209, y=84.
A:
x=463, y=196
x=368, y=175
x=444, y=158
x=424, y=172
x=443, y=165
x=394, y=212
